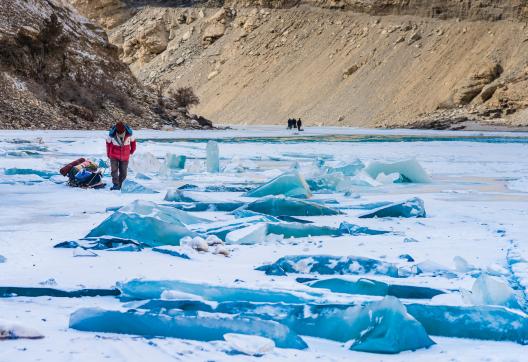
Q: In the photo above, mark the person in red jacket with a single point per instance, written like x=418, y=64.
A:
x=120, y=144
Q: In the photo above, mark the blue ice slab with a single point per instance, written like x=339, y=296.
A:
x=241, y=213
x=328, y=265
x=411, y=170
x=290, y=184
x=200, y=327
x=386, y=327
x=29, y=171
x=213, y=157
x=379, y=327
x=2, y=259
x=411, y=208
x=222, y=228
x=365, y=286
x=350, y=169
x=476, y=322
x=132, y=187
x=147, y=223
x=175, y=162
x=288, y=206
x=152, y=289
x=177, y=195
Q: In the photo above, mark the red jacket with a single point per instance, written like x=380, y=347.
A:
x=117, y=151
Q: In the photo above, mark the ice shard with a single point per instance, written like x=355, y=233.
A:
x=253, y=234
x=290, y=184
x=132, y=187
x=175, y=162
x=288, y=206
x=365, y=286
x=2, y=259
x=177, y=195
x=352, y=229
x=410, y=169
x=103, y=243
x=386, y=327
x=222, y=228
x=492, y=291
x=482, y=322
x=208, y=206
x=152, y=289
x=170, y=250
x=213, y=158
x=197, y=326
x=411, y=208
x=328, y=265
x=147, y=223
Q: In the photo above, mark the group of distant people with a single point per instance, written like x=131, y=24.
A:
x=295, y=123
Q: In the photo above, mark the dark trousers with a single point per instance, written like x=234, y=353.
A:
x=119, y=171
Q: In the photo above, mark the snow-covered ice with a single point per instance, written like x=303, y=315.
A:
x=464, y=275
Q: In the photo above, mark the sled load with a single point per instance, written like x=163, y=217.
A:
x=83, y=173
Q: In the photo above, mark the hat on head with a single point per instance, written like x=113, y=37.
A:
x=120, y=127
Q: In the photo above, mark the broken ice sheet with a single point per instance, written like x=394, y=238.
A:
x=327, y=265
x=365, y=286
x=198, y=326
x=411, y=208
x=152, y=289
x=10, y=330
x=290, y=184
x=132, y=187
x=282, y=205
x=348, y=169
x=410, y=169
x=148, y=223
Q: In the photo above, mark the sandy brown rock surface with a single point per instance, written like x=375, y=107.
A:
x=383, y=63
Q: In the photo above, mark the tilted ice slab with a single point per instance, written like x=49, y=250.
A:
x=327, y=265
x=290, y=184
x=411, y=170
x=365, y=286
x=411, y=208
x=379, y=327
x=132, y=187
x=200, y=327
x=348, y=169
x=282, y=205
x=153, y=289
x=148, y=223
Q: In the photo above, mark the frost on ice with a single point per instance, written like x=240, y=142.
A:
x=201, y=327
x=290, y=184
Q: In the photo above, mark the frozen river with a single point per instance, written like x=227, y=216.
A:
x=477, y=214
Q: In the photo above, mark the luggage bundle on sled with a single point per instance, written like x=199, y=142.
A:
x=83, y=173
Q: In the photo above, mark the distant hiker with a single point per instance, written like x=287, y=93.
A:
x=290, y=123
x=299, y=124
x=120, y=144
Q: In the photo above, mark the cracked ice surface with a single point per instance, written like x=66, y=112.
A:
x=476, y=210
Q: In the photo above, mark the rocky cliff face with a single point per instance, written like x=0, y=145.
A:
x=383, y=63
x=58, y=70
